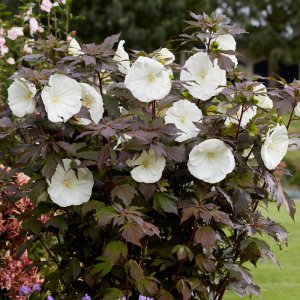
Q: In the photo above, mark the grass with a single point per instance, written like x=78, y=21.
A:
x=284, y=283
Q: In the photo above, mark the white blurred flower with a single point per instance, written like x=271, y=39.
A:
x=3, y=47
x=164, y=55
x=264, y=101
x=149, y=167
x=211, y=161
x=93, y=101
x=148, y=80
x=275, y=146
x=202, y=77
x=297, y=110
x=248, y=114
x=46, y=6
x=15, y=32
x=122, y=58
x=68, y=188
x=34, y=26
x=27, y=49
x=227, y=42
x=182, y=114
x=61, y=98
x=122, y=139
x=20, y=97
x=10, y=61
x=74, y=48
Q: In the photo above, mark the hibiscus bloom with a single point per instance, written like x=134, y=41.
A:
x=297, y=110
x=202, y=77
x=148, y=80
x=164, y=55
x=15, y=32
x=74, y=48
x=227, y=42
x=211, y=161
x=68, y=188
x=264, y=101
x=61, y=98
x=46, y=6
x=275, y=146
x=34, y=26
x=20, y=97
x=122, y=58
x=149, y=167
x=182, y=114
x=93, y=101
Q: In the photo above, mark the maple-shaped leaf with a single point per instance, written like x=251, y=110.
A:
x=125, y=192
x=206, y=236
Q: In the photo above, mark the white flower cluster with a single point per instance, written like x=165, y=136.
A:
x=149, y=79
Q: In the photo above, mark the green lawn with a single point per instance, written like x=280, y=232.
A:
x=284, y=283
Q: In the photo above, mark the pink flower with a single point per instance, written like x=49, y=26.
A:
x=1, y=31
x=3, y=47
x=34, y=26
x=27, y=49
x=46, y=6
x=15, y=32
x=21, y=178
x=10, y=61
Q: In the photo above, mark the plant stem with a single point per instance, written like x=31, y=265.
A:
x=240, y=121
x=153, y=105
x=291, y=116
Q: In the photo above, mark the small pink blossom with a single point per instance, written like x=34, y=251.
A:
x=10, y=61
x=46, y=6
x=21, y=178
x=34, y=26
x=1, y=31
x=27, y=49
x=3, y=47
x=15, y=32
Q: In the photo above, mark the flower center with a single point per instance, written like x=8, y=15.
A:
x=203, y=74
x=182, y=119
x=55, y=99
x=28, y=96
x=68, y=183
x=211, y=155
x=151, y=77
x=86, y=102
x=146, y=163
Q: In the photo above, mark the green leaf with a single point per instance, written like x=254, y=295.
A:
x=32, y=224
x=58, y=222
x=38, y=189
x=182, y=252
x=164, y=203
x=114, y=250
x=147, y=285
x=102, y=268
x=72, y=271
x=113, y=294
x=105, y=215
x=164, y=295
x=90, y=206
x=135, y=270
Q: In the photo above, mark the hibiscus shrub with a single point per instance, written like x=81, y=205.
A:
x=148, y=177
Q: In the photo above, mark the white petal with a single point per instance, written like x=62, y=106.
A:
x=66, y=189
x=20, y=97
x=148, y=80
x=211, y=161
x=264, y=101
x=275, y=147
x=61, y=98
x=122, y=58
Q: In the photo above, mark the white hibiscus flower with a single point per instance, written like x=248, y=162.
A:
x=248, y=114
x=182, y=114
x=164, y=55
x=148, y=80
x=68, y=188
x=227, y=42
x=275, y=146
x=149, y=167
x=297, y=110
x=20, y=97
x=122, y=58
x=211, y=161
x=74, y=48
x=264, y=101
x=202, y=76
x=61, y=98
x=93, y=101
